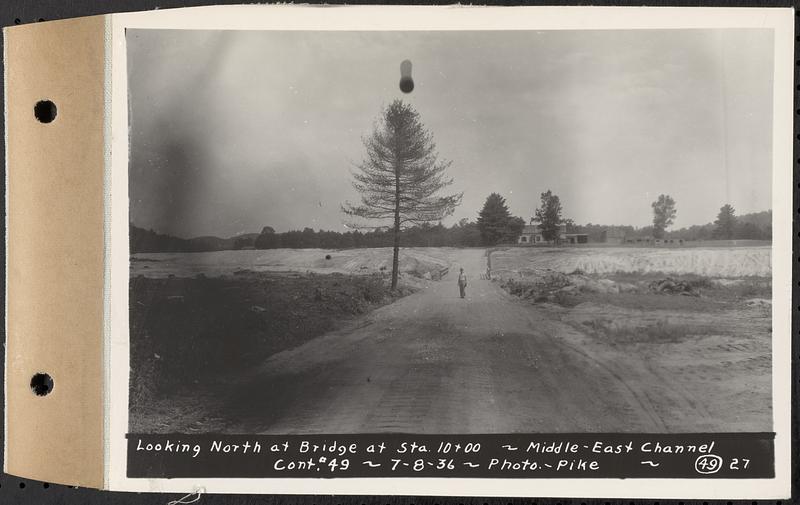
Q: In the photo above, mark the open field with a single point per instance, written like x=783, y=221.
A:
x=704, y=261
x=539, y=348
x=418, y=262
x=708, y=261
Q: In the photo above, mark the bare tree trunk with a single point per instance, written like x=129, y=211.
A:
x=396, y=256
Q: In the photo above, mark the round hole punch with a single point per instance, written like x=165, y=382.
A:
x=45, y=111
x=41, y=384
x=406, y=81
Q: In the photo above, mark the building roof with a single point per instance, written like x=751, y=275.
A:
x=535, y=228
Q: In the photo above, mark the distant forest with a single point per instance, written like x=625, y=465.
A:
x=462, y=234
x=757, y=226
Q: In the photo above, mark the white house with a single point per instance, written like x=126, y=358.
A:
x=532, y=235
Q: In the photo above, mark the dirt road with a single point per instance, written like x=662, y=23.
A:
x=435, y=363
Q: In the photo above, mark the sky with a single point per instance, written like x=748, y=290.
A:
x=231, y=131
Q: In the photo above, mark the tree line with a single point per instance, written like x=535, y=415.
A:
x=461, y=234
x=727, y=225
x=465, y=233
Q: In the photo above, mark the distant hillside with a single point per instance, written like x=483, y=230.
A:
x=753, y=226
x=462, y=234
x=142, y=240
x=223, y=244
x=762, y=220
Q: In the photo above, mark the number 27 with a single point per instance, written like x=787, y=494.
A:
x=735, y=463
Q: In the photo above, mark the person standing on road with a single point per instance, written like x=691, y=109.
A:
x=462, y=283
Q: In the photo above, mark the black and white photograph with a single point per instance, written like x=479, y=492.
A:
x=450, y=232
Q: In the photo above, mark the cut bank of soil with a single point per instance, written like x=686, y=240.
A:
x=190, y=332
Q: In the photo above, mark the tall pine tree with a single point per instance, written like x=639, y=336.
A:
x=495, y=222
x=401, y=176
